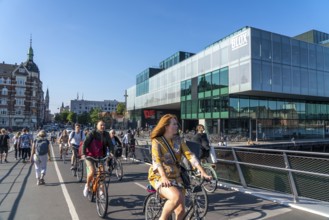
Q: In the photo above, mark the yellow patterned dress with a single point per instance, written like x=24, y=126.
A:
x=161, y=157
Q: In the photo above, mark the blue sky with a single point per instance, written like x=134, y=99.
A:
x=96, y=48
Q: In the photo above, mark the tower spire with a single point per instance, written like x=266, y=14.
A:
x=30, y=52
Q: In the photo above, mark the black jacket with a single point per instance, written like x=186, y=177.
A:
x=202, y=139
x=104, y=137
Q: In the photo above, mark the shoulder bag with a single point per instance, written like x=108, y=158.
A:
x=183, y=172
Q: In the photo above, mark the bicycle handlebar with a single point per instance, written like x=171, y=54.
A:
x=96, y=159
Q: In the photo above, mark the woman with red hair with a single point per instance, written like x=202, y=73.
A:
x=164, y=171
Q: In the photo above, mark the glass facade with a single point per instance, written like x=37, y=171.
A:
x=252, y=83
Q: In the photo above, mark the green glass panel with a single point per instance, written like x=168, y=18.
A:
x=183, y=116
x=215, y=115
x=207, y=115
x=183, y=98
x=224, y=115
x=201, y=95
x=224, y=91
x=215, y=92
x=201, y=115
x=207, y=94
x=188, y=116
x=188, y=97
x=194, y=115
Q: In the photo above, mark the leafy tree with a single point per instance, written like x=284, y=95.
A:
x=62, y=117
x=95, y=115
x=84, y=118
x=72, y=117
x=121, y=108
x=58, y=118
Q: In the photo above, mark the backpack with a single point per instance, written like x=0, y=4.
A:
x=41, y=146
x=73, y=134
x=25, y=141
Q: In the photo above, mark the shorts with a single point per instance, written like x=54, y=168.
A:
x=90, y=163
x=3, y=150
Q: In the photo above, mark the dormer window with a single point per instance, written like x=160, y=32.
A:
x=21, y=70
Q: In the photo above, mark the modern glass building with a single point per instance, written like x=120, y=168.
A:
x=252, y=84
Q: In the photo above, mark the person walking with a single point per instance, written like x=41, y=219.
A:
x=164, y=173
x=40, y=151
x=75, y=138
x=4, y=144
x=16, y=145
x=25, y=142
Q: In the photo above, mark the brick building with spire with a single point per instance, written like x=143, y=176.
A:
x=22, y=101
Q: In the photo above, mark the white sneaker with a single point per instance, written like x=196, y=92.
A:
x=85, y=191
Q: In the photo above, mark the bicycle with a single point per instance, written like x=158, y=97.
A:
x=131, y=152
x=116, y=166
x=76, y=162
x=99, y=186
x=209, y=185
x=79, y=170
x=64, y=148
x=196, y=203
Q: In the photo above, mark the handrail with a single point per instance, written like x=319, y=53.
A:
x=274, y=150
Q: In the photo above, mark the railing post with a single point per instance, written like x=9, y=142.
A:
x=243, y=181
x=291, y=178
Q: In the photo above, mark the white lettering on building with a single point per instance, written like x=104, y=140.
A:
x=239, y=41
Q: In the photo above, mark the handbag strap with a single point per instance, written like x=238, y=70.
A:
x=169, y=149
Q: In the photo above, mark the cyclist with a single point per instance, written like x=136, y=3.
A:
x=117, y=147
x=201, y=138
x=102, y=136
x=75, y=138
x=126, y=140
x=164, y=172
x=63, y=139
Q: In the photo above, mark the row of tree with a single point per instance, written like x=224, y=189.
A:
x=86, y=118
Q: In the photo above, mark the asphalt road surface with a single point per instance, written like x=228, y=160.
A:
x=61, y=197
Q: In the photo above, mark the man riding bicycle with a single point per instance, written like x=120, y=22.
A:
x=102, y=142
x=75, y=138
x=117, y=148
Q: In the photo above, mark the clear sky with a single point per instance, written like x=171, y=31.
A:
x=96, y=48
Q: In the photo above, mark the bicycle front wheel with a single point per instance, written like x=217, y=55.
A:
x=101, y=199
x=201, y=201
x=79, y=171
x=118, y=169
x=153, y=207
x=210, y=186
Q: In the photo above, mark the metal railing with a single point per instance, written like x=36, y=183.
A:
x=302, y=174
x=299, y=173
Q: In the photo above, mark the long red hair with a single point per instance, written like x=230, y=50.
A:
x=160, y=128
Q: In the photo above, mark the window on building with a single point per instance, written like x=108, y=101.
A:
x=4, y=91
x=8, y=81
x=20, y=91
x=3, y=111
x=19, y=101
x=3, y=121
x=18, y=111
x=1, y=81
x=3, y=101
x=20, y=81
